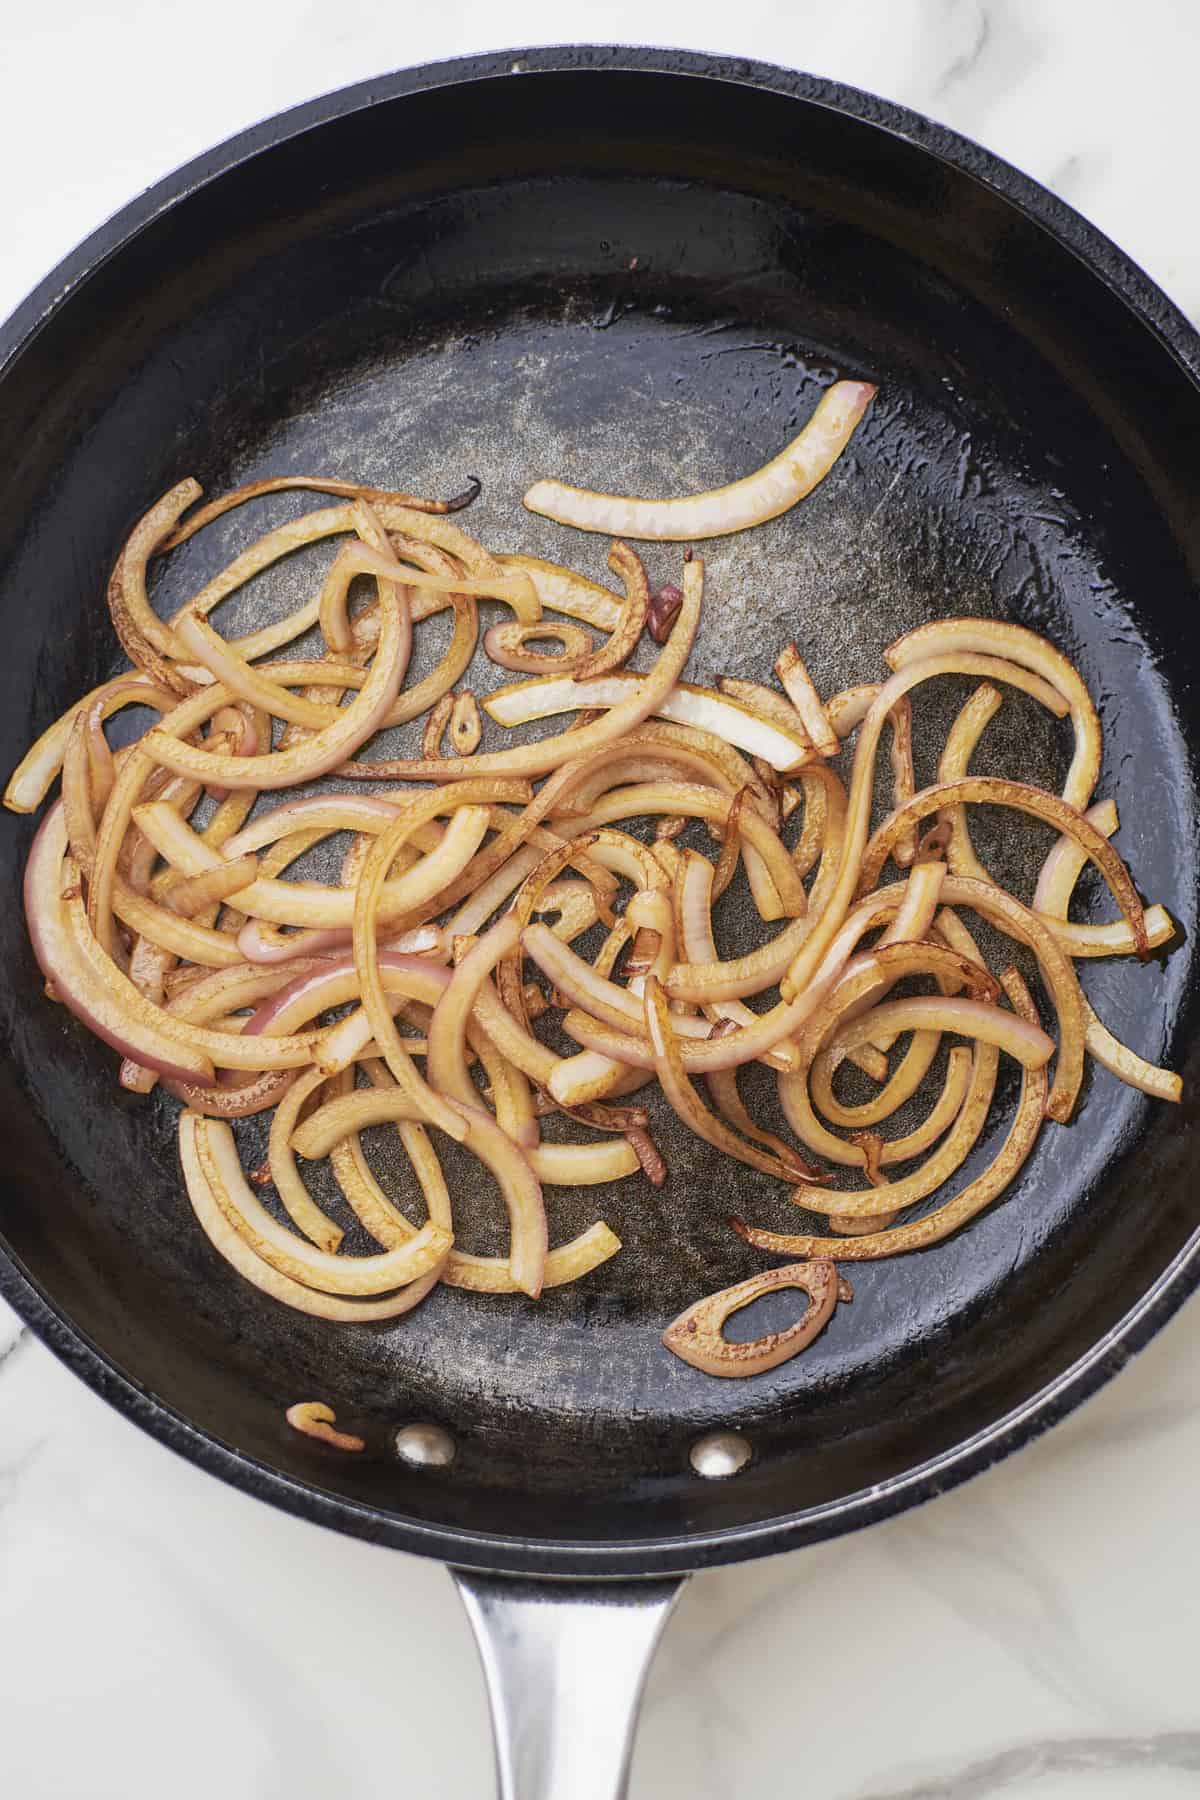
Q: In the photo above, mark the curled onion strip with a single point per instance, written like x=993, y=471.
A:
x=771, y=490
x=965, y=733
x=289, y=1255
x=508, y=645
x=1056, y=883
x=995, y=791
x=516, y=1180
x=817, y=1137
x=918, y=1234
x=623, y=640
x=228, y=1243
x=697, y=1335
x=1016, y=644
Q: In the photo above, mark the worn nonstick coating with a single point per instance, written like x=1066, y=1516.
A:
x=433, y=275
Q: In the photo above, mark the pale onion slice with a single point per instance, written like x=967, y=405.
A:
x=446, y=1068
x=568, y=1263
x=326, y=812
x=1019, y=645
x=491, y=894
x=799, y=687
x=564, y=746
x=682, y=704
x=508, y=645
x=1027, y=1044
x=518, y=1184
x=847, y=710
x=224, y=664
x=993, y=790
x=1056, y=883
x=235, y=1250
x=764, y=700
x=225, y=1049
x=693, y=929
x=298, y=1203
x=290, y=1255
x=1065, y=862
x=563, y=590
x=31, y=779
x=196, y=893
x=103, y=1009
x=771, y=490
x=965, y=733
x=697, y=1336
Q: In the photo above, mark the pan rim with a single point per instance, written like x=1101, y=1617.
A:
x=653, y=1556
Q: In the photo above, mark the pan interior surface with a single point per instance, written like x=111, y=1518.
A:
x=634, y=279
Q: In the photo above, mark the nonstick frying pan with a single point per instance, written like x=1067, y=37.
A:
x=634, y=269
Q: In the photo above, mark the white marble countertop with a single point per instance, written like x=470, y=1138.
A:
x=1032, y=1634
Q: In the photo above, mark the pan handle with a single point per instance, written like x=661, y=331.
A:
x=565, y=1663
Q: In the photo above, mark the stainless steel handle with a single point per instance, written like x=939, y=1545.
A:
x=565, y=1663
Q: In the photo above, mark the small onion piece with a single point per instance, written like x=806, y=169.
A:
x=697, y=1336
x=508, y=645
x=465, y=727
x=771, y=490
x=317, y=1420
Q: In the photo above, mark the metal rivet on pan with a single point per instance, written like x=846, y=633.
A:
x=425, y=1446
x=719, y=1455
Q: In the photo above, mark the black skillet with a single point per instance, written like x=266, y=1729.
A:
x=634, y=268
